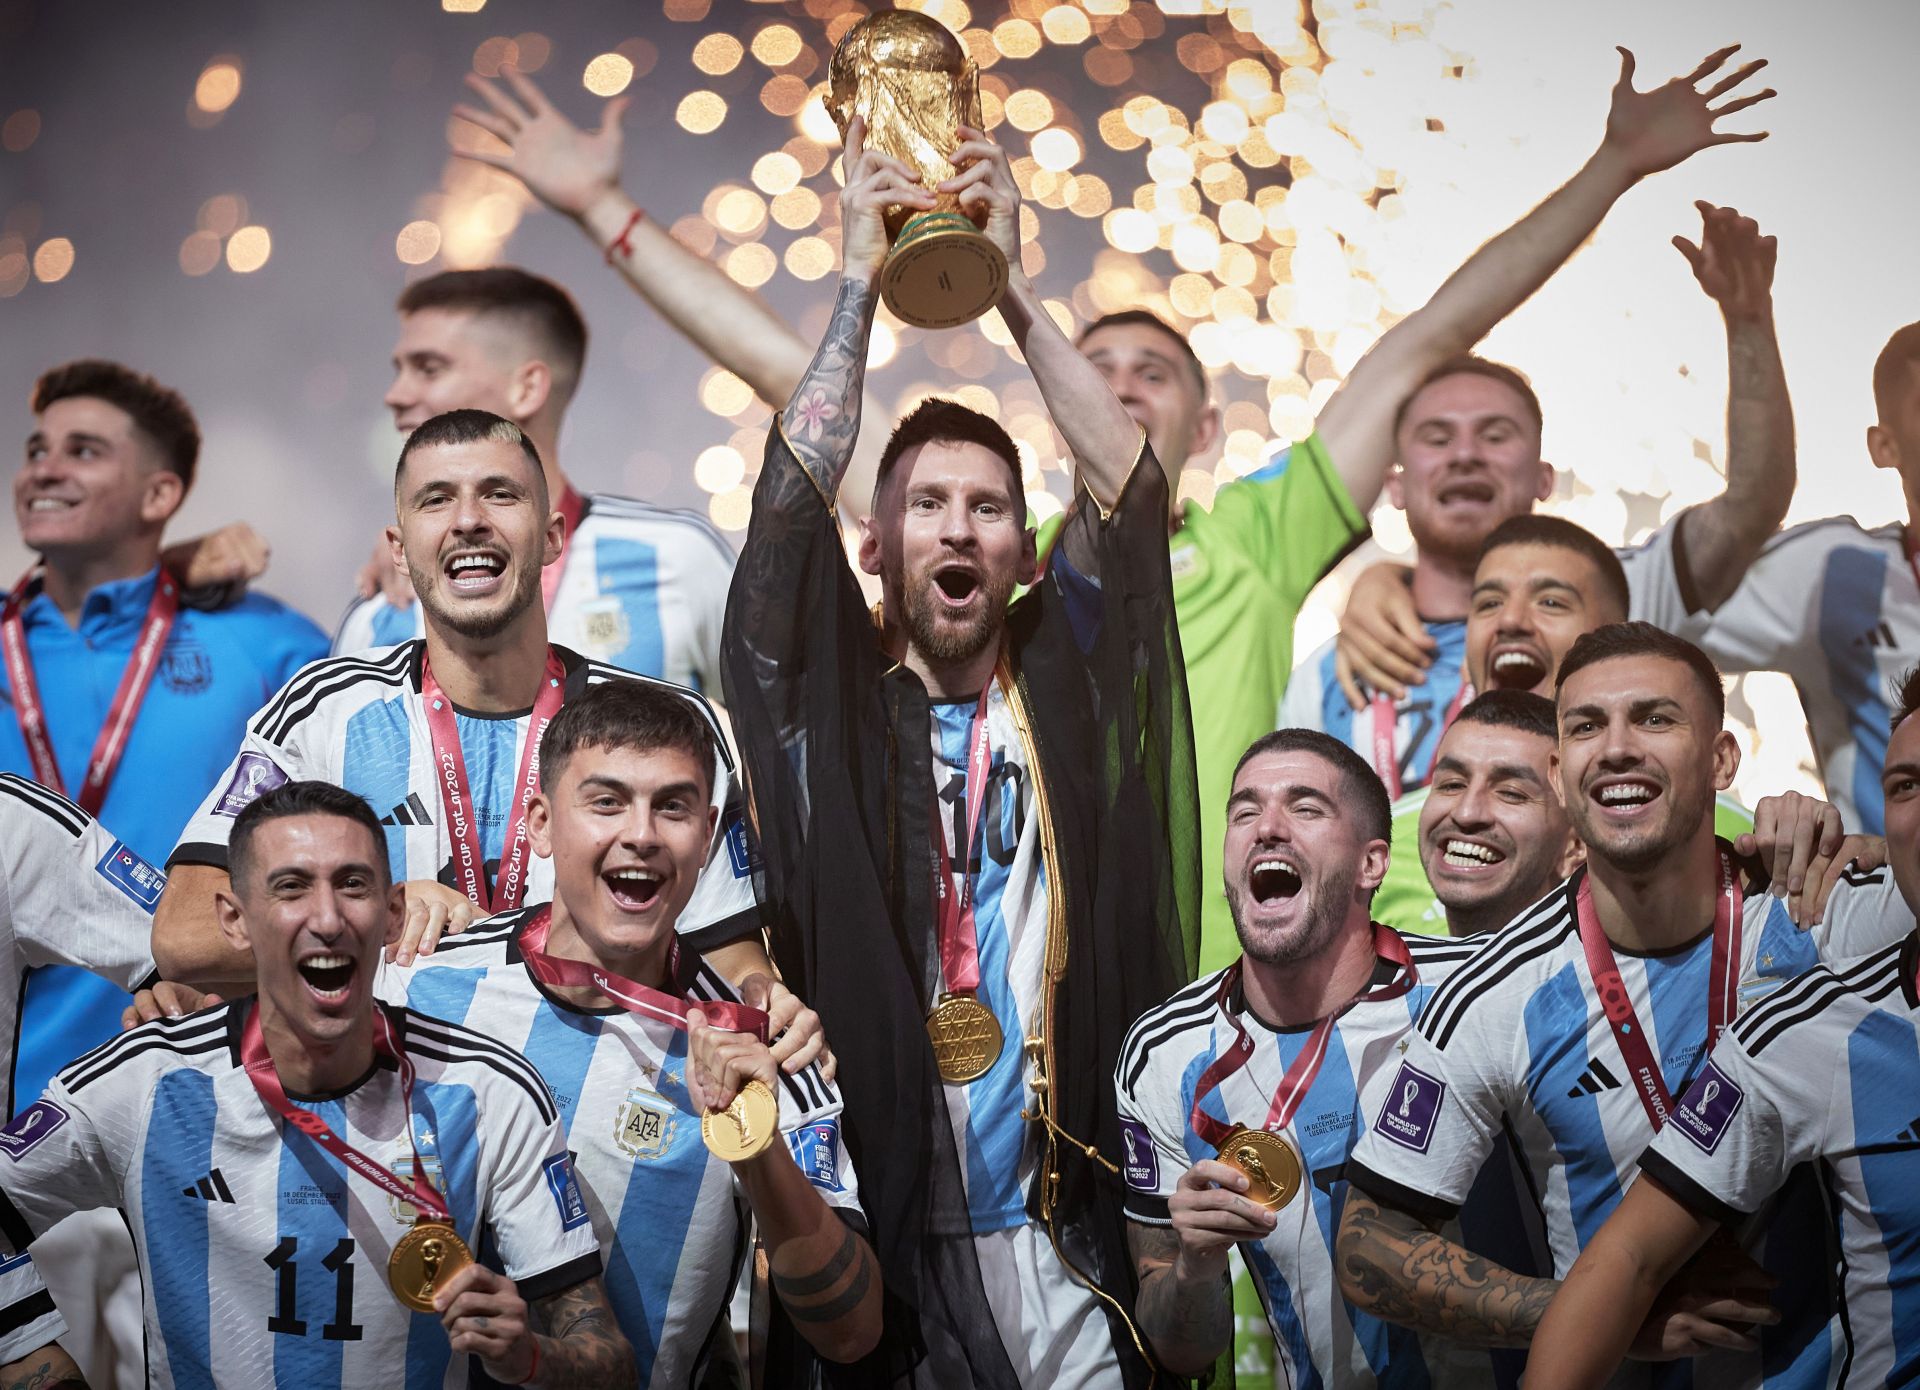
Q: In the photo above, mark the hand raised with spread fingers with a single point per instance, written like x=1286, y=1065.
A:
x=1656, y=129
x=565, y=167
x=1732, y=262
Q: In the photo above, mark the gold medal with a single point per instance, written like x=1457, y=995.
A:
x=744, y=1128
x=966, y=1037
x=1271, y=1165
x=422, y=1262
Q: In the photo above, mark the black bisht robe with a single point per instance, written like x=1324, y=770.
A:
x=836, y=744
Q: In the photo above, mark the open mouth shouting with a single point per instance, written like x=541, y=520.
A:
x=633, y=888
x=1272, y=879
x=1625, y=798
x=328, y=974
x=1516, y=666
x=475, y=572
x=1472, y=492
x=956, y=586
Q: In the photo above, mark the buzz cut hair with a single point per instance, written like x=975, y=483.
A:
x=1146, y=318
x=542, y=313
x=1472, y=364
x=469, y=427
x=1617, y=640
x=1538, y=528
x=1512, y=709
x=311, y=798
x=1892, y=370
x=937, y=420
x=635, y=716
x=1364, y=791
x=160, y=413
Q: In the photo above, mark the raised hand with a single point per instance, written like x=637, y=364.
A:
x=874, y=182
x=1211, y=1214
x=1733, y=262
x=987, y=191
x=1655, y=130
x=565, y=167
x=720, y=1064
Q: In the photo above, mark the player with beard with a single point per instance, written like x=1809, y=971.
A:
x=1241, y=1096
x=1541, y=582
x=445, y=730
x=1468, y=445
x=1822, y=1074
x=977, y=818
x=1671, y=927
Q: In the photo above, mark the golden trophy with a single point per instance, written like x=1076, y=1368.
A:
x=909, y=78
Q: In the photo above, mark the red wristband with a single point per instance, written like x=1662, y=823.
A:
x=620, y=243
x=533, y=1367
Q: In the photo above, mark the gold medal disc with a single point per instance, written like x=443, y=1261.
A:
x=744, y=1128
x=1271, y=1164
x=966, y=1037
x=423, y=1260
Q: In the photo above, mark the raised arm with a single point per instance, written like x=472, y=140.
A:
x=1101, y=436
x=577, y=173
x=1722, y=537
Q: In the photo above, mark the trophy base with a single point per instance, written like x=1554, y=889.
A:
x=942, y=272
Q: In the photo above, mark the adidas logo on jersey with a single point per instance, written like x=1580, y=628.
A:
x=212, y=1188
x=412, y=811
x=1879, y=635
x=1595, y=1079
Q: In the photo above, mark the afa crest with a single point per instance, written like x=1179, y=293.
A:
x=644, y=1124
x=402, y=1166
x=186, y=668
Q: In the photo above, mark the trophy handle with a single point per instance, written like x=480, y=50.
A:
x=970, y=94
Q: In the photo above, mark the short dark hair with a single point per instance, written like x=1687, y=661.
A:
x=1470, y=364
x=938, y=420
x=539, y=308
x=1902, y=350
x=1906, y=696
x=1512, y=709
x=1536, y=528
x=1363, y=784
x=1616, y=640
x=468, y=427
x=639, y=716
x=1146, y=318
x=160, y=413
x=302, y=799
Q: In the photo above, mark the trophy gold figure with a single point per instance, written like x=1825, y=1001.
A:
x=910, y=80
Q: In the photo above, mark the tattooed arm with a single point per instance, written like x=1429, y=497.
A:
x=1393, y=1266
x=1734, y=265
x=1185, y=1306
x=565, y=1341
x=49, y=1368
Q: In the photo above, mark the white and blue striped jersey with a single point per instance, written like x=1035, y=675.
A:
x=1822, y=1074
x=1318, y=1336
x=360, y=723
x=70, y=894
x=1661, y=595
x=1837, y=608
x=264, y=1262
x=1517, y=1044
x=641, y=587
x=1010, y=927
x=669, y=1217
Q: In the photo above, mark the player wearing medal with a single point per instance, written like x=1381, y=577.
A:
x=980, y=860
x=640, y=1040
x=1468, y=440
x=1572, y=1027
x=1241, y=1096
x=1821, y=1074
x=442, y=734
x=301, y=1168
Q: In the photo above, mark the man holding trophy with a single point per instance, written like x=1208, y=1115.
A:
x=977, y=818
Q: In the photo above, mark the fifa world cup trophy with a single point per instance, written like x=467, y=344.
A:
x=910, y=79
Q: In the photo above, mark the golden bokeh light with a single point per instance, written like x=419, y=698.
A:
x=740, y=213
x=701, y=112
x=248, y=249
x=785, y=95
x=718, y=53
x=796, y=208
x=719, y=469
x=199, y=253
x=531, y=51
x=19, y=132
x=1066, y=24
x=809, y=258
x=1056, y=149
x=732, y=510
x=777, y=45
x=723, y=393
x=418, y=242
x=608, y=74
x=222, y=214
x=218, y=86
x=493, y=54
x=14, y=272
x=1016, y=38
x=776, y=173
x=53, y=260
x=1028, y=109
x=463, y=6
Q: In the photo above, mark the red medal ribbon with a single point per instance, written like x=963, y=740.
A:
x=1386, y=723
x=959, y=944
x=456, y=798
x=1723, y=988
x=1299, y=1076
x=419, y=1193
x=572, y=506
x=635, y=998
x=112, y=740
